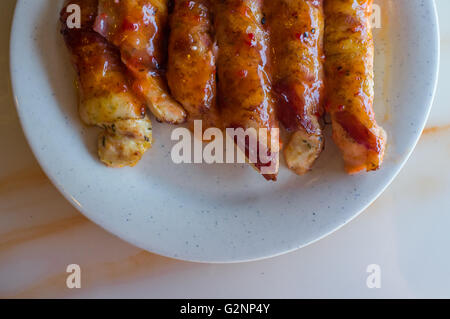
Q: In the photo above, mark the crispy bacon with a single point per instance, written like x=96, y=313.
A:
x=106, y=99
x=246, y=101
x=191, y=70
x=349, y=49
x=296, y=29
x=139, y=29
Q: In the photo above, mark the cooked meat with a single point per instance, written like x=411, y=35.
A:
x=105, y=96
x=349, y=52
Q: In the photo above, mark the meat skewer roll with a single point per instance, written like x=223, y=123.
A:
x=104, y=92
x=296, y=30
x=139, y=29
x=349, y=52
x=244, y=85
x=191, y=72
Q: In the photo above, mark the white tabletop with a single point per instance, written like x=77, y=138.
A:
x=405, y=232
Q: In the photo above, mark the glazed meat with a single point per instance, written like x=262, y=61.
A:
x=244, y=85
x=349, y=52
x=105, y=96
x=296, y=30
x=139, y=29
x=191, y=70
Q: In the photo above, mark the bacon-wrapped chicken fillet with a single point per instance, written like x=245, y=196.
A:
x=104, y=92
x=349, y=53
x=139, y=29
x=191, y=72
x=296, y=30
x=244, y=85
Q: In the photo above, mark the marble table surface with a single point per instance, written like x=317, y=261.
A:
x=406, y=231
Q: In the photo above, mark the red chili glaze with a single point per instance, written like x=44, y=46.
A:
x=138, y=28
x=127, y=25
x=350, y=84
x=100, y=70
x=245, y=93
x=358, y=131
x=191, y=71
x=291, y=109
x=296, y=29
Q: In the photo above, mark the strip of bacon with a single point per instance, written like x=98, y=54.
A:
x=191, y=72
x=244, y=85
x=106, y=99
x=349, y=52
x=296, y=29
x=139, y=29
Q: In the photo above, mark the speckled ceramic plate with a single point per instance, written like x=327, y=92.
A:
x=217, y=213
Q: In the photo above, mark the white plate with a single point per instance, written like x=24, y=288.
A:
x=217, y=213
